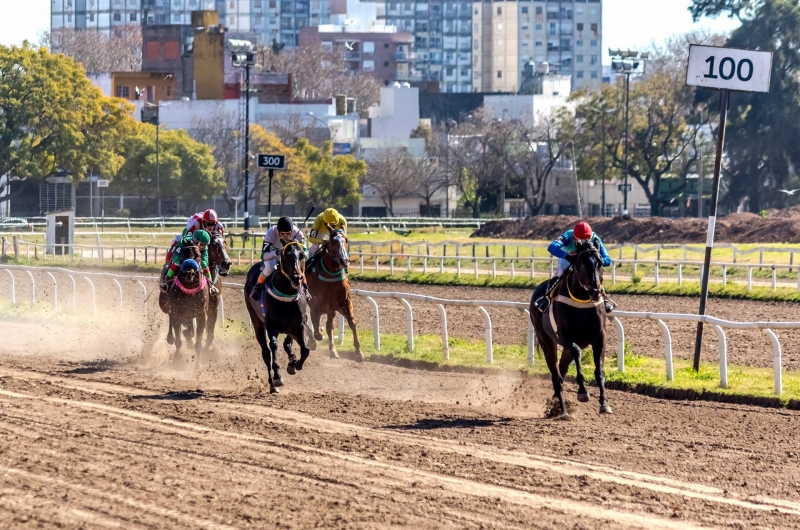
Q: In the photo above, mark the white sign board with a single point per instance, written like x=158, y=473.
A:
x=102, y=183
x=729, y=68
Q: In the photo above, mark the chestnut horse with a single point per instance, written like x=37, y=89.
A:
x=330, y=290
x=574, y=320
x=186, y=299
x=220, y=265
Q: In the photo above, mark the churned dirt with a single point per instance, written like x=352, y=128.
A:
x=780, y=226
x=99, y=431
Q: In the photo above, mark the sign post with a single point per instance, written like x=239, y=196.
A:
x=725, y=69
x=101, y=183
x=271, y=163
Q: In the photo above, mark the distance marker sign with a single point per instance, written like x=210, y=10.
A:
x=272, y=161
x=729, y=68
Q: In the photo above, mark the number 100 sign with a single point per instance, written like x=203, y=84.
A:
x=729, y=68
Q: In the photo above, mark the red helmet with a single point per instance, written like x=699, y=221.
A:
x=210, y=216
x=582, y=230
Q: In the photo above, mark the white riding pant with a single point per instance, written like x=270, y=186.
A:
x=269, y=266
x=562, y=266
x=313, y=249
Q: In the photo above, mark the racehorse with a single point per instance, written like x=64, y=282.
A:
x=279, y=311
x=186, y=299
x=574, y=320
x=330, y=290
x=220, y=265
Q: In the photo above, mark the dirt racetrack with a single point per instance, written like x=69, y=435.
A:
x=97, y=434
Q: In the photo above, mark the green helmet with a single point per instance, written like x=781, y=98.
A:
x=202, y=237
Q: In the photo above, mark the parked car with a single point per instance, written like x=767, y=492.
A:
x=15, y=224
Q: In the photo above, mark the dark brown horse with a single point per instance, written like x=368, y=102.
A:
x=283, y=311
x=575, y=320
x=330, y=290
x=220, y=265
x=186, y=300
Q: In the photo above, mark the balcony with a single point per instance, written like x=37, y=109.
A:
x=408, y=76
x=404, y=56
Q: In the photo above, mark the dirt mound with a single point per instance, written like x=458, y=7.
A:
x=781, y=226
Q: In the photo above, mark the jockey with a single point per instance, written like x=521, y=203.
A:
x=201, y=238
x=277, y=237
x=565, y=248
x=208, y=221
x=325, y=223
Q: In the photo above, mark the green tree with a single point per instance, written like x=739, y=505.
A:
x=763, y=130
x=53, y=120
x=335, y=180
x=186, y=168
x=286, y=183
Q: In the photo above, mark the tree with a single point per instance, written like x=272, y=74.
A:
x=392, y=176
x=429, y=177
x=52, y=119
x=334, y=179
x=220, y=131
x=287, y=183
x=317, y=73
x=186, y=168
x=97, y=52
x=763, y=132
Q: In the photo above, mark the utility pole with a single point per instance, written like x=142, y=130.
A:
x=627, y=142
x=701, y=176
x=243, y=55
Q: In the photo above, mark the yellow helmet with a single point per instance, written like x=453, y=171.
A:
x=330, y=216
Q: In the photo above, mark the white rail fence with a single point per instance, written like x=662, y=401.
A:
x=718, y=325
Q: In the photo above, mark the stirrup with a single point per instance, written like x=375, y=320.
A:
x=542, y=303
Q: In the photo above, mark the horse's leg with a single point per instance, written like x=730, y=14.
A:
x=272, y=336
x=329, y=329
x=201, y=327
x=350, y=315
x=599, y=351
x=575, y=353
x=316, y=315
x=266, y=355
x=287, y=347
x=304, y=351
x=550, y=349
x=170, y=335
x=175, y=325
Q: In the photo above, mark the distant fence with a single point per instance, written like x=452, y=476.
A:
x=25, y=274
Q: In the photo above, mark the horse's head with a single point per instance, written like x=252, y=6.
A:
x=336, y=248
x=218, y=255
x=190, y=272
x=293, y=263
x=589, y=270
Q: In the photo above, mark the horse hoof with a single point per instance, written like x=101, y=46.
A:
x=298, y=365
x=273, y=390
x=334, y=354
x=170, y=340
x=605, y=409
x=583, y=397
x=278, y=381
x=290, y=369
x=359, y=356
x=317, y=336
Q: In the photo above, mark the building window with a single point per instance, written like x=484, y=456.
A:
x=232, y=4
x=133, y=17
x=593, y=59
x=386, y=64
x=579, y=58
x=524, y=10
x=273, y=4
x=594, y=74
x=578, y=43
x=91, y=17
x=368, y=48
x=257, y=4
x=539, y=10
x=579, y=74
x=594, y=28
x=117, y=17
x=369, y=66
x=593, y=43
x=499, y=74
x=499, y=10
x=169, y=91
x=123, y=92
x=579, y=26
x=524, y=27
x=539, y=43
x=326, y=46
x=539, y=27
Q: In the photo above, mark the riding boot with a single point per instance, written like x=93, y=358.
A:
x=255, y=294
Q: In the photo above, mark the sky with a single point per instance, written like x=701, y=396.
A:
x=626, y=23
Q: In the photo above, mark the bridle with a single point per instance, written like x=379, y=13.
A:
x=593, y=253
x=342, y=259
x=283, y=252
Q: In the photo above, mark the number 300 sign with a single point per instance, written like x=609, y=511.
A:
x=729, y=68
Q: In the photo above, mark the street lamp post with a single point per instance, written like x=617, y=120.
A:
x=627, y=62
x=151, y=114
x=243, y=55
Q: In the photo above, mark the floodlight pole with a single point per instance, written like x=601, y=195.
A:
x=246, y=145
x=627, y=142
x=725, y=103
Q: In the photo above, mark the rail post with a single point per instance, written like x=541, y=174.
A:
x=391, y=265
x=441, y=266
x=776, y=361
x=620, y=344
x=774, y=278
x=667, y=349
x=724, y=275
x=531, y=337
x=409, y=323
x=445, y=336
x=635, y=259
x=475, y=262
x=494, y=268
x=94, y=298
x=13, y=287
x=425, y=264
x=33, y=286
x=119, y=291
x=533, y=265
x=74, y=292
x=512, y=269
x=458, y=267
x=144, y=302
x=55, y=291
x=341, y=330
x=749, y=278
x=614, y=273
x=723, y=356
x=487, y=321
x=655, y=279
x=361, y=263
x=680, y=274
x=376, y=323
x=376, y=263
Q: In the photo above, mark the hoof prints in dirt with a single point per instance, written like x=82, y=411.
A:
x=552, y=408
